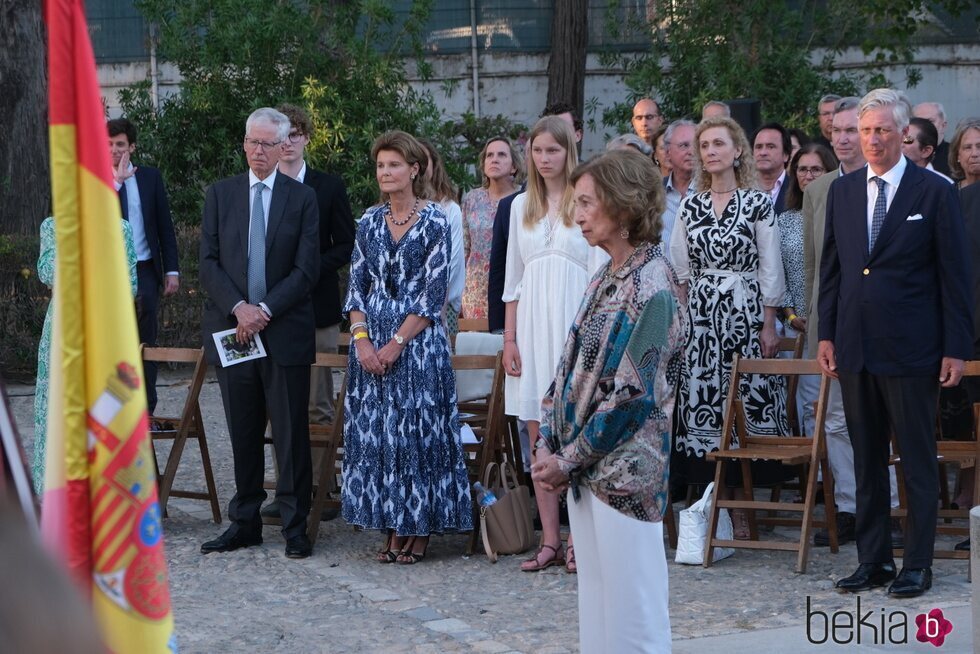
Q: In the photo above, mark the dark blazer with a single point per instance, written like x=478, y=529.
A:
x=157, y=223
x=291, y=269
x=336, y=243
x=779, y=205
x=498, y=263
x=940, y=160
x=898, y=310
x=970, y=205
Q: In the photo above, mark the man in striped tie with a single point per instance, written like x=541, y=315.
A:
x=895, y=324
x=259, y=262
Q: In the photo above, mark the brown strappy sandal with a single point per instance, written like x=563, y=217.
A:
x=534, y=563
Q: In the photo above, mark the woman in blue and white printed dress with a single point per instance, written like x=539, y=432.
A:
x=404, y=468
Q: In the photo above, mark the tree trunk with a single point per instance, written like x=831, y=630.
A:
x=25, y=183
x=566, y=67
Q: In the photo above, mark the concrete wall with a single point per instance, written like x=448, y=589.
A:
x=516, y=85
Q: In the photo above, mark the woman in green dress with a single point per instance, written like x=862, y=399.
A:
x=45, y=272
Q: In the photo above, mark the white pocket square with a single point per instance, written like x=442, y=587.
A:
x=917, y=216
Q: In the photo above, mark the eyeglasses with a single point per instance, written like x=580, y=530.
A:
x=811, y=170
x=253, y=144
x=646, y=117
x=295, y=137
x=908, y=140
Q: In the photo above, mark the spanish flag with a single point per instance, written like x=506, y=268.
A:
x=100, y=512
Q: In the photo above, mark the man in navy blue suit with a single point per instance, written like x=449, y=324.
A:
x=143, y=199
x=895, y=324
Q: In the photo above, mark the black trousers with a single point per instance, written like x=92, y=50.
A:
x=147, y=303
x=251, y=391
x=874, y=406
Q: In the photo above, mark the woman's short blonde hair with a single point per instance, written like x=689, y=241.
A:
x=954, y=146
x=746, y=175
x=515, y=157
x=408, y=147
x=630, y=190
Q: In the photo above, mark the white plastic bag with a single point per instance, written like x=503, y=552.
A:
x=693, y=531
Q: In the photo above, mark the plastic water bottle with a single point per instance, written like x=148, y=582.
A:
x=484, y=496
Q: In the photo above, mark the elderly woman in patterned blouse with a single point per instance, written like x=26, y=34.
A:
x=607, y=414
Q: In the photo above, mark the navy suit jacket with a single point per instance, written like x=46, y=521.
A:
x=970, y=203
x=498, y=263
x=779, y=205
x=336, y=243
x=157, y=223
x=292, y=265
x=898, y=310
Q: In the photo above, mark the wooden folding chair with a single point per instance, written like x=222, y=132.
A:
x=789, y=450
x=486, y=417
x=188, y=424
x=330, y=439
x=474, y=325
x=961, y=453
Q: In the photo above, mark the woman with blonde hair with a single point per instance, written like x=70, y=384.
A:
x=725, y=248
x=501, y=170
x=404, y=468
x=546, y=277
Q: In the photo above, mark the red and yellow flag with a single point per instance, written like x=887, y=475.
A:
x=100, y=513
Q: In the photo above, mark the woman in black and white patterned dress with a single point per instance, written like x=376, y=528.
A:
x=725, y=248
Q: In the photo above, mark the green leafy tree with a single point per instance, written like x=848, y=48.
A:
x=237, y=55
x=777, y=51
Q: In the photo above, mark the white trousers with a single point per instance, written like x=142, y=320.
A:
x=622, y=580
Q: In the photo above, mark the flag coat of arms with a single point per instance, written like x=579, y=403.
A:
x=100, y=511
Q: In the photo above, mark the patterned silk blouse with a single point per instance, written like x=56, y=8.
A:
x=608, y=412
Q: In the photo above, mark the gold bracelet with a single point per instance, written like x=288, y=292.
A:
x=792, y=317
x=359, y=335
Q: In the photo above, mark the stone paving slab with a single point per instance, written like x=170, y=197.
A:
x=340, y=600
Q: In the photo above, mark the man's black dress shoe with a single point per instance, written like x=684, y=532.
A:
x=868, y=576
x=298, y=547
x=229, y=542
x=911, y=582
x=962, y=546
x=845, y=531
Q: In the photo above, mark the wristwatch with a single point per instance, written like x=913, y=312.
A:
x=399, y=339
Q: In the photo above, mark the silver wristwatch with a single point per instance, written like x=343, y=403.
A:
x=399, y=339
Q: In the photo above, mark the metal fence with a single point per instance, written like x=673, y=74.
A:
x=120, y=34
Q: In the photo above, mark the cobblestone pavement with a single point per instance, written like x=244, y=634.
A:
x=341, y=600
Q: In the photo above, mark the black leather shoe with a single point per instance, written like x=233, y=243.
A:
x=845, y=531
x=868, y=576
x=963, y=546
x=911, y=582
x=229, y=542
x=299, y=547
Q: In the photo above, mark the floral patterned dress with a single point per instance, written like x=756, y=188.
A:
x=734, y=270
x=479, y=211
x=404, y=467
x=45, y=272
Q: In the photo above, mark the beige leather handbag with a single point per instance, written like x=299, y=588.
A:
x=506, y=525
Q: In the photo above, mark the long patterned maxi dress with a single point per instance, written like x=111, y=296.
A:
x=733, y=267
x=45, y=272
x=403, y=457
